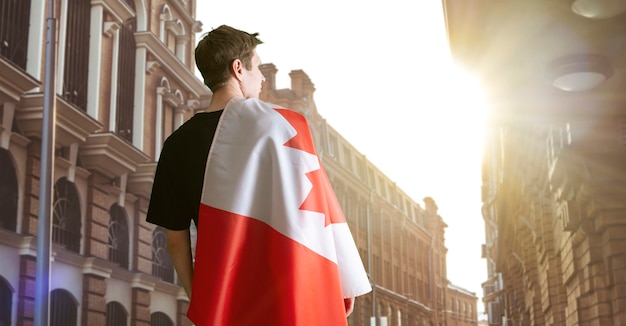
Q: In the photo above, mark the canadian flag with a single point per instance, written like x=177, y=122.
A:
x=273, y=244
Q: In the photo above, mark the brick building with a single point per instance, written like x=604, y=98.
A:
x=124, y=82
x=554, y=173
x=461, y=310
x=402, y=244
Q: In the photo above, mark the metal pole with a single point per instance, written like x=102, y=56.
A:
x=373, y=321
x=44, y=225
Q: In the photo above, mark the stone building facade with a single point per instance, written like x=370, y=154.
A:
x=461, y=310
x=124, y=82
x=402, y=243
x=554, y=173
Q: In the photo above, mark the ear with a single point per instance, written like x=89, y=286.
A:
x=237, y=69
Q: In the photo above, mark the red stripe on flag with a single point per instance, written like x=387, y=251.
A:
x=246, y=273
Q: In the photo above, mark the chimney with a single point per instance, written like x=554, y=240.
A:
x=301, y=84
x=269, y=72
x=430, y=205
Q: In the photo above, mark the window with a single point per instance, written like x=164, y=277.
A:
x=126, y=79
x=558, y=138
x=160, y=319
x=63, y=308
x=118, y=236
x=332, y=145
x=66, y=215
x=77, y=53
x=161, y=261
x=6, y=299
x=116, y=314
x=381, y=184
x=8, y=192
x=360, y=168
x=14, y=20
x=362, y=211
x=347, y=157
x=387, y=274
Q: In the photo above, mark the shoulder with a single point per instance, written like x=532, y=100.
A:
x=198, y=125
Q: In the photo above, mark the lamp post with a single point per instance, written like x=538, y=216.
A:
x=42, y=266
x=369, y=262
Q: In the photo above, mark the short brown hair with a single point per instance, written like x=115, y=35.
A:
x=219, y=48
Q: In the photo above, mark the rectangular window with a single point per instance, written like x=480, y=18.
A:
x=14, y=21
x=347, y=158
x=77, y=53
x=126, y=81
x=332, y=145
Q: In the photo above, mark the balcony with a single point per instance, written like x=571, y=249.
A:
x=140, y=181
x=72, y=124
x=109, y=154
x=14, y=81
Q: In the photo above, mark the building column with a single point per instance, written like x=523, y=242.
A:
x=140, y=305
x=601, y=257
x=182, y=305
x=181, y=44
x=94, y=289
x=95, y=60
x=26, y=291
x=140, y=98
x=6, y=124
x=31, y=189
x=111, y=29
x=97, y=227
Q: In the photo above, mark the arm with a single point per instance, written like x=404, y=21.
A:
x=349, y=304
x=179, y=246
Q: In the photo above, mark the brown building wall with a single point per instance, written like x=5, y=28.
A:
x=461, y=309
x=400, y=241
x=554, y=174
x=560, y=247
x=105, y=170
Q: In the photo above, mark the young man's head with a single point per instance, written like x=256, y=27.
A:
x=219, y=48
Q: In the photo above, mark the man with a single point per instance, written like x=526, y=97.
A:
x=273, y=247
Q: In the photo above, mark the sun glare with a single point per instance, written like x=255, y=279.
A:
x=465, y=109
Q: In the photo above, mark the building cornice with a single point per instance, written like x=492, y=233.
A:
x=13, y=81
x=186, y=16
x=118, y=8
x=72, y=125
x=172, y=65
x=110, y=155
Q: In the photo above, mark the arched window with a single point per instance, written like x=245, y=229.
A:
x=116, y=314
x=66, y=215
x=160, y=319
x=118, y=236
x=6, y=299
x=161, y=261
x=77, y=53
x=126, y=79
x=164, y=19
x=14, y=19
x=8, y=192
x=63, y=308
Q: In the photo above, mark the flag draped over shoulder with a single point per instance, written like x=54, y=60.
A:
x=273, y=244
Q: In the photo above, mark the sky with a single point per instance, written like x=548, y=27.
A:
x=385, y=81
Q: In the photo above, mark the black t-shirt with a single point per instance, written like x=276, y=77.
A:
x=179, y=176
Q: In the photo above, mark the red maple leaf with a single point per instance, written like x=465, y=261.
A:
x=321, y=198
